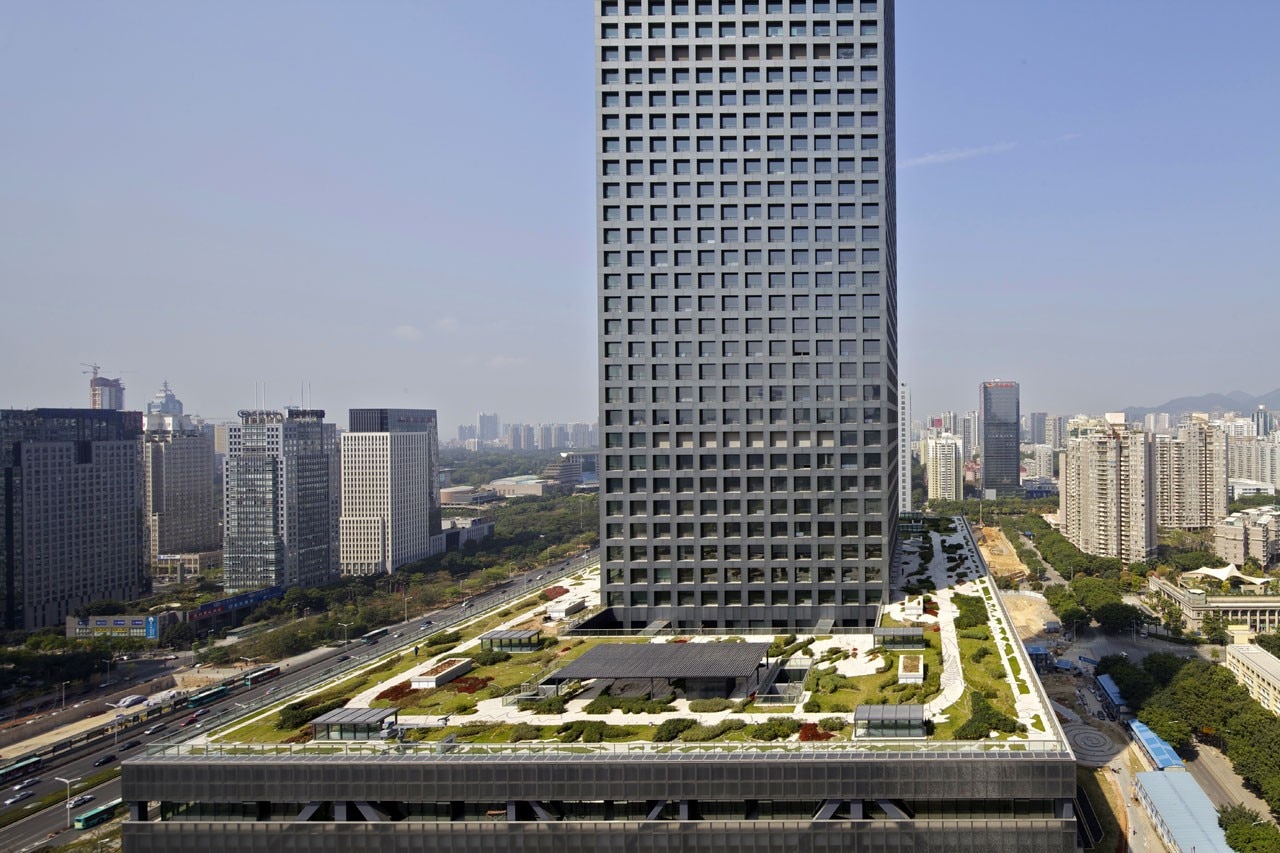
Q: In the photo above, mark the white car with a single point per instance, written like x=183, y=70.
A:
x=25, y=784
x=79, y=800
x=19, y=797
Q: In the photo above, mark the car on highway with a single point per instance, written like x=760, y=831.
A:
x=105, y=760
x=158, y=727
x=19, y=797
x=200, y=713
x=133, y=744
x=25, y=784
x=80, y=800
x=425, y=625
x=343, y=657
x=189, y=721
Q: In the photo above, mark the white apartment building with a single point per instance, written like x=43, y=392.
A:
x=944, y=468
x=390, y=490
x=1039, y=463
x=1236, y=426
x=1256, y=459
x=1258, y=671
x=1252, y=533
x=1191, y=475
x=1106, y=505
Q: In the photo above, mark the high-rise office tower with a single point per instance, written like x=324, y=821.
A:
x=1107, y=497
x=70, y=512
x=1262, y=422
x=179, y=487
x=904, y=448
x=748, y=383
x=999, y=411
x=944, y=468
x=281, y=500
x=179, y=493
x=1036, y=424
x=488, y=427
x=1191, y=475
x=390, y=489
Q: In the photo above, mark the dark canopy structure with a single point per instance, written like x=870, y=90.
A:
x=708, y=669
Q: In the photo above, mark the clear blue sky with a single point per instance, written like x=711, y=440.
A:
x=393, y=202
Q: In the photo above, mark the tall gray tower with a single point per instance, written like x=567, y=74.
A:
x=999, y=410
x=281, y=487
x=748, y=311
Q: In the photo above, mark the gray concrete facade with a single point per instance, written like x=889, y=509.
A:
x=748, y=310
x=751, y=801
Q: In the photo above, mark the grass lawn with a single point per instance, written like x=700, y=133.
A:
x=861, y=690
x=506, y=675
x=1107, y=804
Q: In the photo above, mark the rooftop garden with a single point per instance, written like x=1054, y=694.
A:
x=839, y=674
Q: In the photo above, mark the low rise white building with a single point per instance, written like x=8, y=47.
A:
x=1258, y=671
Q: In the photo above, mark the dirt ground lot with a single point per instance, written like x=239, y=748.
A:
x=1029, y=613
x=999, y=554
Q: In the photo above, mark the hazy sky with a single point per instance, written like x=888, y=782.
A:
x=393, y=202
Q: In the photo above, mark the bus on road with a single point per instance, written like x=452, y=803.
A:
x=204, y=697
x=373, y=636
x=261, y=674
x=19, y=769
x=101, y=814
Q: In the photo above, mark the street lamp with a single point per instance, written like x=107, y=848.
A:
x=107, y=661
x=64, y=694
x=116, y=739
x=345, y=626
x=248, y=660
x=68, y=782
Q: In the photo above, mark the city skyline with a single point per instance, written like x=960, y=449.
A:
x=117, y=192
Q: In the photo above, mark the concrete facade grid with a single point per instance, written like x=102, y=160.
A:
x=748, y=310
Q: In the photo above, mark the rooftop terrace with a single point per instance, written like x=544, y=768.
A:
x=593, y=694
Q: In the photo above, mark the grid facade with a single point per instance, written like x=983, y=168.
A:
x=281, y=493
x=71, y=512
x=748, y=317
x=1001, y=429
x=390, y=489
x=944, y=801
x=180, y=500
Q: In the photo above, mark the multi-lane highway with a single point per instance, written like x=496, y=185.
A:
x=299, y=675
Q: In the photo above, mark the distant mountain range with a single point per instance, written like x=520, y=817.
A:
x=1234, y=401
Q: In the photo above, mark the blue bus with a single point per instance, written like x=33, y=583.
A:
x=19, y=769
x=373, y=636
x=204, y=697
x=101, y=814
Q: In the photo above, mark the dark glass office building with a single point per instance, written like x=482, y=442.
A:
x=71, y=512
x=998, y=407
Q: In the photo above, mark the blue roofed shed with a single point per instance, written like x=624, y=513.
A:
x=1156, y=749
